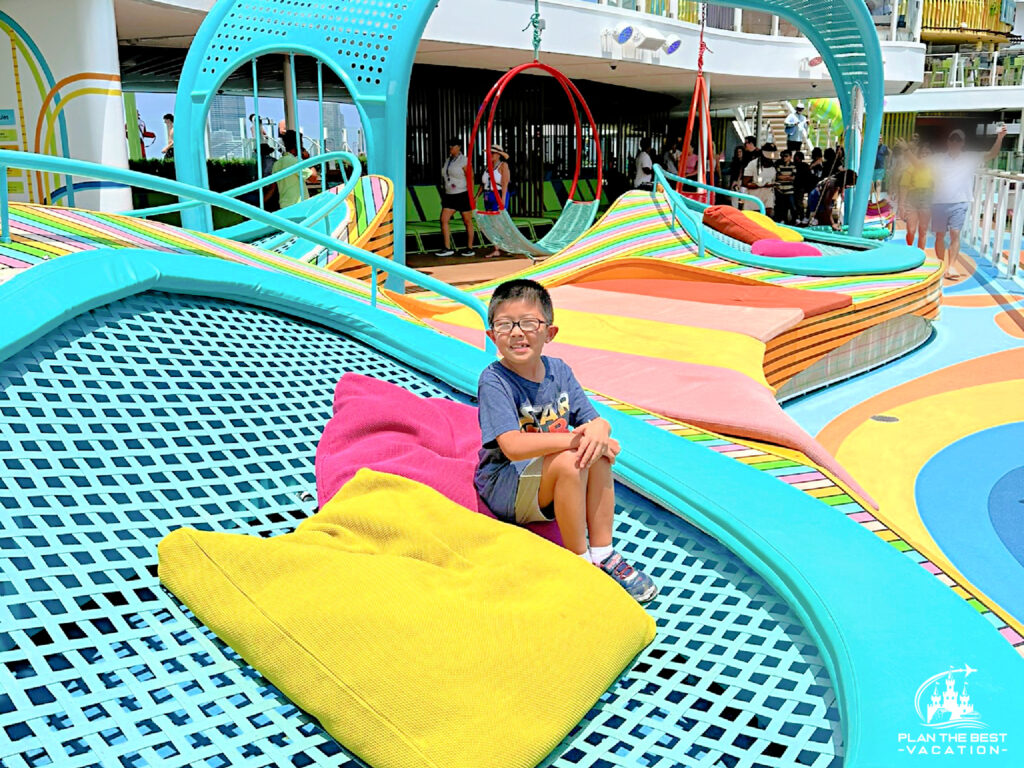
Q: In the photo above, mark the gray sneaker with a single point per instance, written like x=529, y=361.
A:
x=637, y=583
x=447, y=252
x=467, y=252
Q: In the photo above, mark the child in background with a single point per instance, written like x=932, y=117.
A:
x=546, y=453
x=785, y=189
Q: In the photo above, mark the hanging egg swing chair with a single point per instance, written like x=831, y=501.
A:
x=577, y=215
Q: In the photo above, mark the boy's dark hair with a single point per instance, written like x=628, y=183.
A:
x=750, y=140
x=521, y=290
x=798, y=157
x=454, y=141
x=169, y=116
x=785, y=154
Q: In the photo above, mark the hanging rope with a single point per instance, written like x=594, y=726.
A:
x=538, y=26
x=703, y=46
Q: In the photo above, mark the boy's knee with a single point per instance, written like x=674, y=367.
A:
x=564, y=465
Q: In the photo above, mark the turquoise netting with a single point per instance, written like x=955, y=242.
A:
x=574, y=220
x=159, y=411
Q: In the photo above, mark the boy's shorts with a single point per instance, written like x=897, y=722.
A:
x=527, y=508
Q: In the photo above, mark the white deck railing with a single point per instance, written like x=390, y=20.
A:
x=995, y=216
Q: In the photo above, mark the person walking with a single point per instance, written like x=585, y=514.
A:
x=954, y=172
x=455, y=198
x=796, y=129
x=916, y=193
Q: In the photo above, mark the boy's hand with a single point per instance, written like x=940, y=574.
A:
x=594, y=443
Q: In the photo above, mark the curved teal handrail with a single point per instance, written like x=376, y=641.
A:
x=716, y=190
x=252, y=186
x=60, y=165
x=695, y=226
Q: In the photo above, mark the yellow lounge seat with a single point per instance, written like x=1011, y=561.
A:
x=419, y=634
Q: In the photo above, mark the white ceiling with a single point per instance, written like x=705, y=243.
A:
x=152, y=23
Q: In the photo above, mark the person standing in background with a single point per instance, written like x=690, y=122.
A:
x=643, y=177
x=289, y=189
x=881, y=164
x=785, y=189
x=759, y=179
x=455, y=198
x=168, y=150
x=796, y=129
x=803, y=184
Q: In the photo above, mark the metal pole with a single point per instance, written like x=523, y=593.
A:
x=1017, y=223
x=294, y=94
x=290, y=118
x=1000, y=225
x=320, y=103
x=257, y=129
x=986, y=224
x=5, y=224
x=757, y=127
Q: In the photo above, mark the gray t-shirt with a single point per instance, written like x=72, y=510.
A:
x=510, y=403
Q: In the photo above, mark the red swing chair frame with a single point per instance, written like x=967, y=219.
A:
x=494, y=97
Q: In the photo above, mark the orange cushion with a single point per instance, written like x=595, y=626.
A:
x=731, y=221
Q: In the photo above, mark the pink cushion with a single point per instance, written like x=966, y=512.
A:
x=387, y=428
x=780, y=249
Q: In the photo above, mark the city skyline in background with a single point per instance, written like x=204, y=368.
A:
x=228, y=115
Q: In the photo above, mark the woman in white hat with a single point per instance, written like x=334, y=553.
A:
x=502, y=176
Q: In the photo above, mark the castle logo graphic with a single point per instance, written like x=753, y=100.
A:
x=943, y=701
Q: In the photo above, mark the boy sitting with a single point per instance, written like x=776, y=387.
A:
x=532, y=467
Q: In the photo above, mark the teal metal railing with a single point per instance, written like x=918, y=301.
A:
x=60, y=165
x=716, y=190
x=298, y=168
x=690, y=222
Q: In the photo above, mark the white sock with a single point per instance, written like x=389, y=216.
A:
x=599, y=554
x=585, y=554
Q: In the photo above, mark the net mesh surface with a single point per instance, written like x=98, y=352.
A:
x=159, y=411
x=574, y=220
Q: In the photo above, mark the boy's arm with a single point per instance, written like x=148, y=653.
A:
x=518, y=446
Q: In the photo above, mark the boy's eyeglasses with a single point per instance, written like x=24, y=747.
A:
x=526, y=325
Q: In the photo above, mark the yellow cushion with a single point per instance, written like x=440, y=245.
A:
x=784, y=233
x=420, y=634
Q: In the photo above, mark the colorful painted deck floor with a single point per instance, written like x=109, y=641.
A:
x=936, y=439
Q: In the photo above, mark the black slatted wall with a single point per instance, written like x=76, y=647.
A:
x=534, y=125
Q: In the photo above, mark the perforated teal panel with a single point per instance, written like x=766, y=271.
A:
x=159, y=411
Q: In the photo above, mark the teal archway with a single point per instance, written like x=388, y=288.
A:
x=371, y=44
